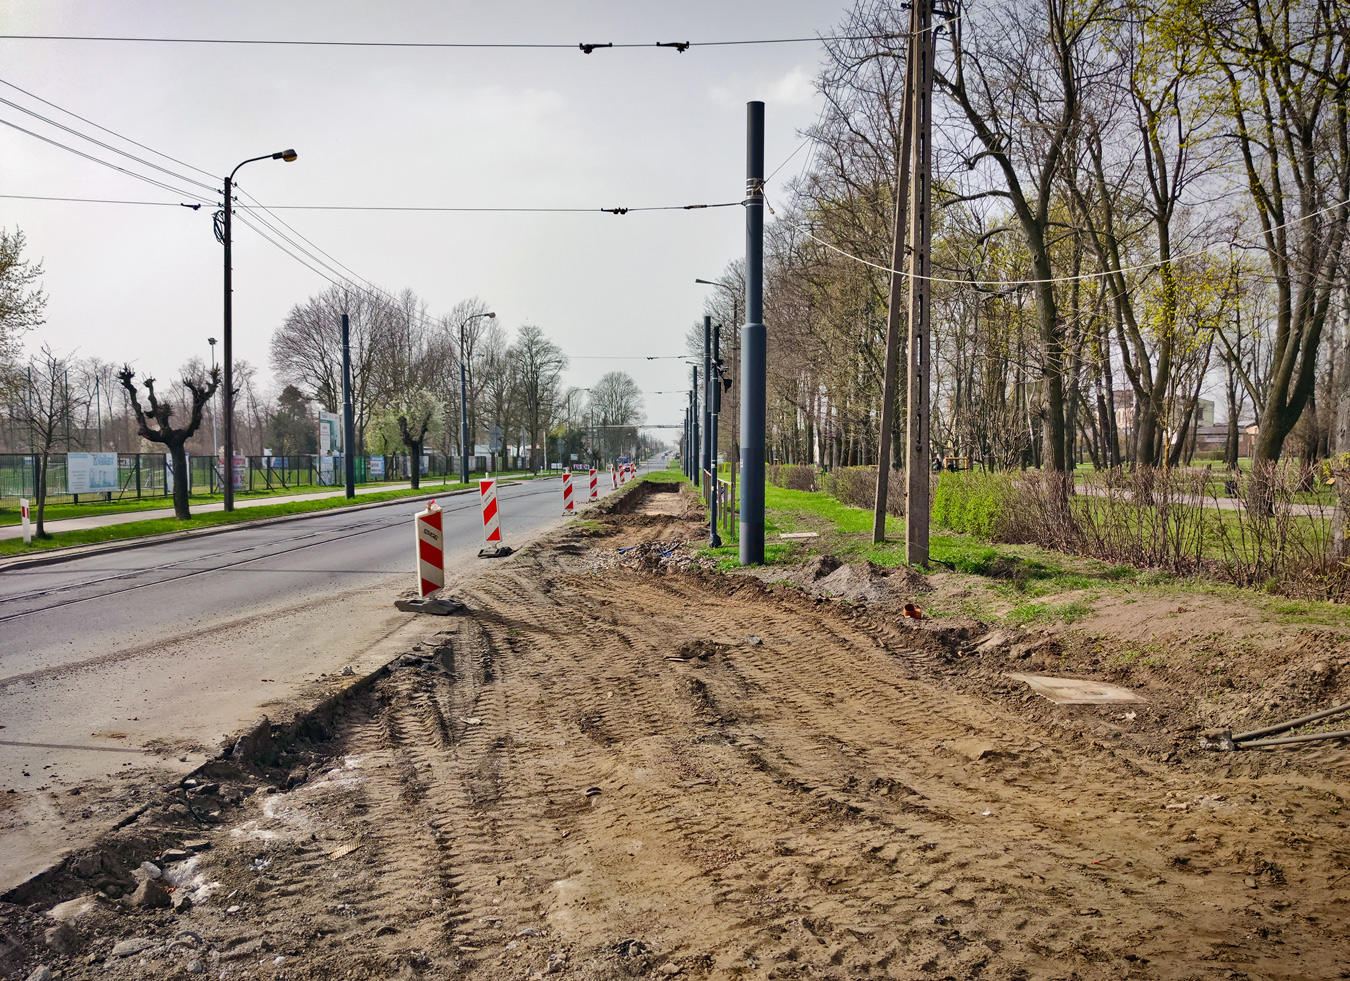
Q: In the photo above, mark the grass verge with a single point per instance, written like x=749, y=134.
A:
x=1014, y=584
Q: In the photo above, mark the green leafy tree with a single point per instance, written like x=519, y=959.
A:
x=292, y=431
x=410, y=422
x=21, y=301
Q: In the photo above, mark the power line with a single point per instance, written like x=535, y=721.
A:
x=1005, y=283
x=90, y=122
x=148, y=204
x=106, y=146
x=105, y=163
x=375, y=208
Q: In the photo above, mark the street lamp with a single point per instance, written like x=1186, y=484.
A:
x=223, y=233
x=464, y=397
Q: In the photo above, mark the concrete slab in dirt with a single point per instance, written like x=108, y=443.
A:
x=1076, y=691
x=797, y=536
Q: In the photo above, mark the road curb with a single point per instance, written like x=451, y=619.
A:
x=56, y=555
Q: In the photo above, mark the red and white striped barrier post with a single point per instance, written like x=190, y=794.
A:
x=614, y=476
x=568, y=508
x=28, y=528
x=430, y=550
x=623, y=475
x=595, y=494
x=492, y=526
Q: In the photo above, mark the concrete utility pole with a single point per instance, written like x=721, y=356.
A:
x=348, y=418
x=754, y=373
x=889, y=384
x=919, y=474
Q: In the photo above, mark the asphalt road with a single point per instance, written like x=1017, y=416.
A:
x=158, y=654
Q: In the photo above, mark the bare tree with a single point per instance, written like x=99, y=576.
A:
x=616, y=402
x=539, y=364
x=1017, y=76
x=163, y=431
x=306, y=349
x=44, y=408
x=1282, y=68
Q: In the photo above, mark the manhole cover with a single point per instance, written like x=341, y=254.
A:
x=1076, y=691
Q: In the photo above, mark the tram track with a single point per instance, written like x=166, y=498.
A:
x=342, y=533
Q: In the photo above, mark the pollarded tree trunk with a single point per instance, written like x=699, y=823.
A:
x=164, y=432
x=178, y=456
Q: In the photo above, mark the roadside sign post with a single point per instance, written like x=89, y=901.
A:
x=430, y=550
x=27, y=526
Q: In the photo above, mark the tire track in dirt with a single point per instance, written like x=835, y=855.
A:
x=599, y=776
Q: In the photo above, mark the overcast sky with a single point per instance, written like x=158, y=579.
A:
x=376, y=126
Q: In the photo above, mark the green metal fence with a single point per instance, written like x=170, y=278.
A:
x=147, y=475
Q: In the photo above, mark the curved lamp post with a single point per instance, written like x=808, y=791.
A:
x=224, y=231
x=464, y=397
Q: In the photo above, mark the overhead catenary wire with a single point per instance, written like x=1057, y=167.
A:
x=309, y=255
x=585, y=47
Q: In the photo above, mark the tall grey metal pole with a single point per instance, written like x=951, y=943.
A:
x=227, y=476
x=684, y=450
x=919, y=476
x=463, y=411
x=693, y=411
x=707, y=394
x=348, y=417
x=714, y=389
x=754, y=341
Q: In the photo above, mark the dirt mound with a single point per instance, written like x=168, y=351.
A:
x=867, y=582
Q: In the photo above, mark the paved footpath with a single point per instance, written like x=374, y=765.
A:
x=124, y=517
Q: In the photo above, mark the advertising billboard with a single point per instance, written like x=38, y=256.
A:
x=91, y=473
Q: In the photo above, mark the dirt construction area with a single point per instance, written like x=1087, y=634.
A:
x=623, y=764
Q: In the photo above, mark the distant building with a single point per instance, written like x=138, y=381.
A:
x=1124, y=402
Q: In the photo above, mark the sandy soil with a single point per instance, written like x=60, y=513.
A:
x=620, y=765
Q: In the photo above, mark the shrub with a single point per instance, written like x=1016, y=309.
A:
x=973, y=503
x=1264, y=537
x=793, y=476
x=857, y=487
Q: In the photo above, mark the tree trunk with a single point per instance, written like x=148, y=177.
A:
x=178, y=456
x=1340, y=437
x=42, y=493
x=415, y=465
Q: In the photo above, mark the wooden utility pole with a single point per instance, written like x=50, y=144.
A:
x=888, y=386
x=918, y=453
